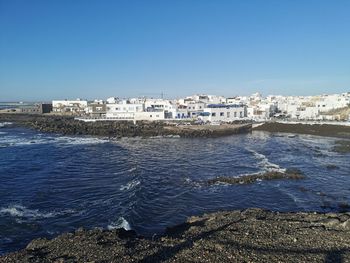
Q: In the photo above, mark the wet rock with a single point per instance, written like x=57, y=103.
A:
x=37, y=244
x=252, y=235
x=344, y=206
x=332, y=167
x=339, y=131
x=292, y=174
x=342, y=146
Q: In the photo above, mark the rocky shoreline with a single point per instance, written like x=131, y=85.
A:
x=252, y=235
x=116, y=129
x=328, y=130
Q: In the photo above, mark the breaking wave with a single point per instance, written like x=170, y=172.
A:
x=132, y=169
x=120, y=223
x=4, y=124
x=60, y=141
x=265, y=164
x=129, y=185
x=79, y=140
x=23, y=212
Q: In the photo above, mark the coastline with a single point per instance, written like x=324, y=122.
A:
x=67, y=125
x=326, y=130
x=252, y=235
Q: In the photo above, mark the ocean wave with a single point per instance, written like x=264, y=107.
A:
x=24, y=212
x=129, y=185
x=66, y=140
x=18, y=141
x=4, y=124
x=120, y=223
x=265, y=164
x=132, y=169
x=40, y=139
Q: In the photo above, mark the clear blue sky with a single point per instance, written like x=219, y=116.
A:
x=96, y=49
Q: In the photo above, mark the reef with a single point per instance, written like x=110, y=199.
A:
x=292, y=174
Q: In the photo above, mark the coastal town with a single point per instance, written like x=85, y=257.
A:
x=202, y=108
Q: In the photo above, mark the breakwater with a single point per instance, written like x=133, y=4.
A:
x=117, y=129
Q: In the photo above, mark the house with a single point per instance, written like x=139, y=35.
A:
x=37, y=108
x=223, y=112
x=97, y=108
x=77, y=106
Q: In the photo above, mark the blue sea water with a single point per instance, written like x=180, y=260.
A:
x=50, y=184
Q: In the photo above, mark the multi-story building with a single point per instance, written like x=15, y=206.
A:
x=223, y=113
x=69, y=106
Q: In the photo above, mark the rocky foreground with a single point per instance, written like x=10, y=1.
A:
x=116, y=129
x=253, y=235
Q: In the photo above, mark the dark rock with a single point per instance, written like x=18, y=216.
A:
x=69, y=126
x=339, y=131
x=342, y=146
x=293, y=174
x=252, y=235
x=332, y=167
x=37, y=244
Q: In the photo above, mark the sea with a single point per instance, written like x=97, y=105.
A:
x=51, y=184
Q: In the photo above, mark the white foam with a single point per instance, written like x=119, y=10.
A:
x=4, y=124
x=23, y=212
x=132, y=169
x=120, y=223
x=40, y=139
x=66, y=140
x=19, y=141
x=129, y=185
x=265, y=164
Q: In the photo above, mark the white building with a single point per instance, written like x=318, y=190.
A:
x=168, y=107
x=223, y=113
x=125, y=110
x=69, y=106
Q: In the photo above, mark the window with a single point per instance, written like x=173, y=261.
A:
x=235, y=114
x=240, y=114
x=213, y=114
x=150, y=116
x=222, y=114
x=228, y=114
